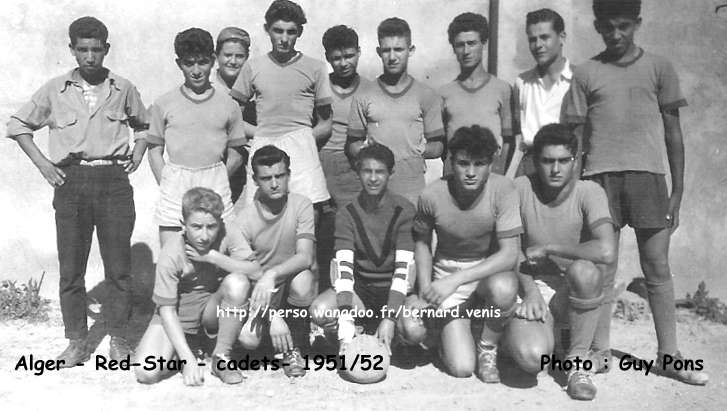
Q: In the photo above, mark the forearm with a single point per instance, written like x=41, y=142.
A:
x=322, y=131
x=675, y=156
x=354, y=147
x=502, y=260
x=250, y=130
x=250, y=269
x=156, y=161
x=290, y=267
x=423, y=261
x=234, y=160
x=139, y=149
x=527, y=284
x=596, y=251
x=173, y=329
x=26, y=143
x=433, y=148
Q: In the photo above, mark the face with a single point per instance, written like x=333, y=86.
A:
x=394, y=53
x=230, y=59
x=344, y=61
x=468, y=48
x=374, y=176
x=555, y=166
x=283, y=35
x=89, y=54
x=470, y=173
x=201, y=230
x=196, y=70
x=272, y=180
x=617, y=33
x=546, y=45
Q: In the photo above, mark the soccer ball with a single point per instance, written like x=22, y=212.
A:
x=367, y=360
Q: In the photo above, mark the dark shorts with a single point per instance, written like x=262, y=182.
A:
x=636, y=198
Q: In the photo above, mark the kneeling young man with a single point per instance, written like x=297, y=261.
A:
x=280, y=229
x=473, y=213
x=374, y=250
x=193, y=287
x=569, y=242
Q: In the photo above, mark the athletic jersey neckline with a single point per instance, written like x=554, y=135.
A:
x=600, y=58
x=474, y=89
x=354, y=86
x=292, y=60
x=184, y=93
x=395, y=95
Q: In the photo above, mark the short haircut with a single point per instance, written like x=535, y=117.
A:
x=285, y=10
x=610, y=9
x=376, y=152
x=233, y=35
x=545, y=15
x=468, y=22
x=193, y=42
x=339, y=37
x=267, y=156
x=475, y=141
x=394, y=27
x=87, y=27
x=202, y=199
x=555, y=135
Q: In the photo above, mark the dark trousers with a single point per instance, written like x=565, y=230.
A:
x=99, y=197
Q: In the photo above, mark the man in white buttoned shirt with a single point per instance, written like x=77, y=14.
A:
x=539, y=91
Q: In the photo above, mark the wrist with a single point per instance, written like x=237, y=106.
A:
x=270, y=275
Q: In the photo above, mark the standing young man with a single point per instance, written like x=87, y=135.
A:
x=289, y=88
x=625, y=102
x=568, y=243
x=539, y=92
x=88, y=112
x=476, y=96
x=279, y=226
x=398, y=112
x=475, y=214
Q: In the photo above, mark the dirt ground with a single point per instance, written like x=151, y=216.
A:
x=424, y=386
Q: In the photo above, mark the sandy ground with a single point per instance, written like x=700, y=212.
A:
x=424, y=387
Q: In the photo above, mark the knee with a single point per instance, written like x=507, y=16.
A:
x=529, y=355
x=460, y=369
x=303, y=289
x=411, y=330
x=656, y=267
x=500, y=289
x=585, y=279
x=146, y=377
x=248, y=340
x=319, y=313
x=235, y=287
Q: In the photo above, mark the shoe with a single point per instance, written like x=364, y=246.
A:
x=487, y=363
x=293, y=363
x=75, y=354
x=600, y=360
x=686, y=374
x=119, y=348
x=580, y=386
x=225, y=374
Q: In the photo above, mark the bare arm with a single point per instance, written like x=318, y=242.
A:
x=324, y=125
x=504, y=259
x=675, y=156
x=156, y=160
x=173, y=329
x=600, y=250
x=423, y=263
x=52, y=174
x=433, y=148
x=301, y=260
x=234, y=159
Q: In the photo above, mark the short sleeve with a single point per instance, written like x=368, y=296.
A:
x=357, y=118
x=432, y=114
x=344, y=231
x=404, y=238
x=507, y=211
x=324, y=95
x=424, y=218
x=575, y=101
x=136, y=110
x=305, y=225
x=242, y=90
x=157, y=125
x=594, y=204
x=506, y=111
x=236, y=246
x=669, y=92
x=235, y=126
x=168, y=272
x=34, y=115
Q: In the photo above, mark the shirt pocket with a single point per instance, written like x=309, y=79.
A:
x=64, y=119
x=115, y=115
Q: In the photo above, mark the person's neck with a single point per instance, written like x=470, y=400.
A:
x=343, y=82
x=284, y=57
x=397, y=81
x=371, y=202
x=466, y=198
x=552, y=69
x=631, y=52
x=473, y=76
x=200, y=92
x=555, y=194
x=229, y=81
x=95, y=78
x=275, y=206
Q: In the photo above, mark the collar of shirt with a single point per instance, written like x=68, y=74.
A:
x=565, y=75
x=73, y=78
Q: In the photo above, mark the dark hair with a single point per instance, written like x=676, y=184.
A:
x=87, y=27
x=545, y=15
x=555, y=135
x=394, y=27
x=285, y=10
x=202, y=199
x=193, y=42
x=339, y=37
x=376, y=152
x=476, y=141
x=468, y=22
x=610, y=9
x=267, y=156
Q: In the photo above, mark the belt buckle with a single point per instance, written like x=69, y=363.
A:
x=96, y=163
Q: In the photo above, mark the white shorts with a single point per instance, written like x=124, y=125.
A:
x=442, y=268
x=176, y=180
x=306, y=173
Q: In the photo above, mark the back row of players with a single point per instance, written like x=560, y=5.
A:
x=537, y=252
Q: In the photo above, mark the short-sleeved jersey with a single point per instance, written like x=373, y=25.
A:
x=568, y=222
x=285, y=93
x=341, y=110
x=468, y=234
x=488, y=105
x=196, y=133
x=177, y=276
x=403, y=121
x=273, y=236
x=621, y=105
x=375, y=235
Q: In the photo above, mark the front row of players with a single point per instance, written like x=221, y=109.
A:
x=223, y=278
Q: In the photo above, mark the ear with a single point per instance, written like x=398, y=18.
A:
x=638, y=23
x=300, y=30
x=412, y=49
x=597, y=26
x=266, y=28
x=378, y=51
x=107, y=47
x=358, y=51
x=179, y=63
